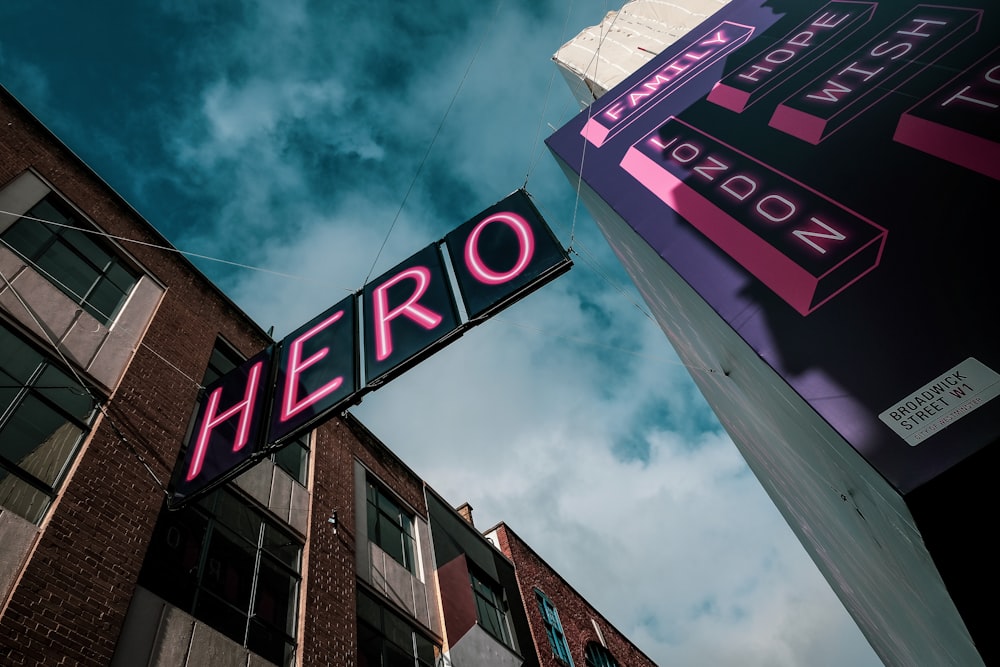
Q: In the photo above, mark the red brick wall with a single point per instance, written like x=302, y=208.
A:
x=71, y=599
x=575, y=612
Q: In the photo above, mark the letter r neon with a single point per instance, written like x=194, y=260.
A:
x=244, y=408
x=425, y=317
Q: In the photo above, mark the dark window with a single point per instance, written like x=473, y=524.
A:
x=229, y=565
x=387, y=639
x=81, y=264
x=553, y=628
x=44, y=415
x=223, y=360
x=390, y=527
x=293, y=458
x=490, y=607
x=598, y=656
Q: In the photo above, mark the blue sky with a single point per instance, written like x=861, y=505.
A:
x=293, y=136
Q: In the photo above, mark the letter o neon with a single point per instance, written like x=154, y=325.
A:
x=526, y=241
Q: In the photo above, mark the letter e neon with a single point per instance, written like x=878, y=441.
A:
x=290, y=403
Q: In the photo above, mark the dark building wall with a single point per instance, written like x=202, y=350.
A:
x=580, y=620
x=330, y=627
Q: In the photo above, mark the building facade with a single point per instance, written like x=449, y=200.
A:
x=778, y=182
x=565, y=628
x=330, y=551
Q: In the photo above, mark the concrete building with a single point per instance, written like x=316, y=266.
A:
x=778, y=207
x=331, y=551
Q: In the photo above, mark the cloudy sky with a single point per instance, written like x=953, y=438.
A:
x=320, y=143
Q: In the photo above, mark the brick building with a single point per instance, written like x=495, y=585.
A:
x=329, y=552
x=566, y=629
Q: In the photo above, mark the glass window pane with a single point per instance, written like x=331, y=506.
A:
x=39, y=440
x=598, y=656
x=282, y=546
x=398, y=631
x=121, y=276
x=220, y=363
x=45, y=210
x=277, y=594
x=28, y=237
x=84, y=244
x=17, y=358
x=488, y=617
x=235, y=514
x=390, y=508
x=293, y=459
x=369, y=646
x=229, y=567
x=396, y=657
x=269, y=644
x=221, y=616
x=72, y=274
x=104, y=300
x=21, y=498
x=174, y=556
x=66, y=392
x=369, y=610
x=373, y=524
x=408, y=559
x=9, y=389
x=391, y=541
x=425, y=650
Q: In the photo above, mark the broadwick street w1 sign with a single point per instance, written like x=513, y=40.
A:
x=368, y=338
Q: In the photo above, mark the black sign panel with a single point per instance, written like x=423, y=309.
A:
x=407, y=310
x=407, y=314
x=317, y=370
x=500, y=251
x=228, y=429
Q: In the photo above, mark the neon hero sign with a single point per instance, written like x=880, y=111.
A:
x=368, y=338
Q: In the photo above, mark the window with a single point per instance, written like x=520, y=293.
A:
x=230, y=566
x=598, y=656
x=553, y=628
x=490, y=607
x=44, y=414
x=293, y=458
x=387, y=639
x=390, y=527
x=83, y=266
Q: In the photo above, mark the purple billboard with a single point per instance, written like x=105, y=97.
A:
x=825, y=175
